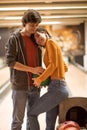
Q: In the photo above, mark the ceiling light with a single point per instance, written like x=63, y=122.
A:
x=12, y=18
x=43, y=8
x=50, y=23
x=63, y=16
x=44, y=17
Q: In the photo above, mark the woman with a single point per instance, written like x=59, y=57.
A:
x=55, y=69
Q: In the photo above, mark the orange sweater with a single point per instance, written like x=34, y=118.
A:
x=53, y=59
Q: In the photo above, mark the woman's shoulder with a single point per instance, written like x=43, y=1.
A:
x=53, y=42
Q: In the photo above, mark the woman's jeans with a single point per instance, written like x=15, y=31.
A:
x=20, y=98
x=57, y=92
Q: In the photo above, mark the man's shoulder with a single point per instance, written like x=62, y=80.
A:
x=16, y=33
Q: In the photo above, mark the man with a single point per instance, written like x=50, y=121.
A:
x=22, y=58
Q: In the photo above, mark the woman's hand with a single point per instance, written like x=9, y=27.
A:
x=37, y=84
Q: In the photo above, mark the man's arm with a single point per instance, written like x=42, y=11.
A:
x=34, y=70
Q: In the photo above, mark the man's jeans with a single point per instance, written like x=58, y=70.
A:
x=57, y=92
x=20, y=98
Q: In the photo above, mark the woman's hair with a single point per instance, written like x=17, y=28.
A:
x=31, y=16
x=43, y=30
x=33, y=39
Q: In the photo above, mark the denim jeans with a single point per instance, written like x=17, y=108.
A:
x=20, y=98
x=57, y=92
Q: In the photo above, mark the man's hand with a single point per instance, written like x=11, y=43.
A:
x=38, y=70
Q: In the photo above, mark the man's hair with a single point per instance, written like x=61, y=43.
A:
x=31, y=16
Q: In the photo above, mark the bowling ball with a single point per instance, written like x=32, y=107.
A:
x=69, y=125
x=45, y=82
